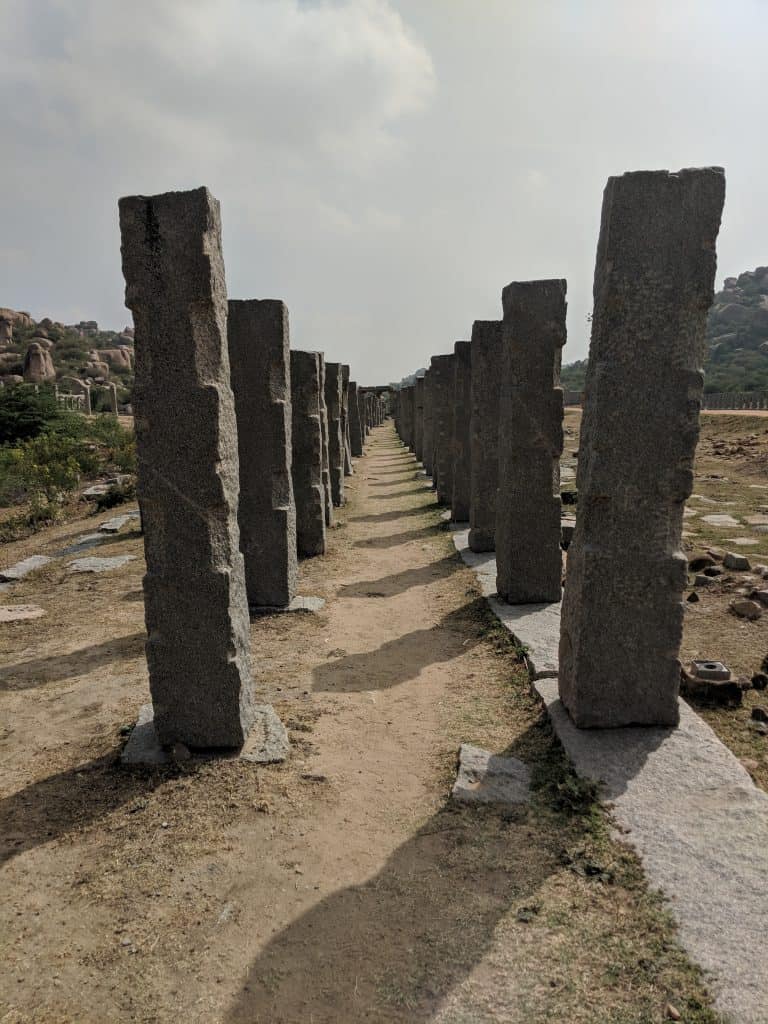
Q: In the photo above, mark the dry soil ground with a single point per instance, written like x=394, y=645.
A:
x=343, y=886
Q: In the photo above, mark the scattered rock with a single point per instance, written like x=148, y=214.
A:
x=713, y=571
x=23, y=568
x=746, y=609
x=672, y=1012
x=760, y=595
x=700, y=580
x=94, y=564
x=700, y=561
x=693, y=598
x=180, y=752
x=736, y=562
x=17, y=612
x=759, y=680
x=717, y=553
x=711, y=683
x=116, y=524
x=759, y=727
x=720, y=519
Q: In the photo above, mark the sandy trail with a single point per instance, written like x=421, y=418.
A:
x=342, y=886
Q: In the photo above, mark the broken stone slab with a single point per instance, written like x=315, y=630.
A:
x=23, y=568
x=84, y=543
x=720, y=519
x=19, y=612
x=700, y=827
x=298, y=604
x=96, y=564
x=487, y=778
x=267, y=742
x=116, y=523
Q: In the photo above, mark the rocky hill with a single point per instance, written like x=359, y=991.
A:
x=737, y=338
x=48, y=351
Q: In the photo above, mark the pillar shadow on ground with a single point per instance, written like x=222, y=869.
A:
x=397, y=945
x=393, y=540
x=398, y=582
x=26, y=675
x=69, y=801
x=397, y=513
x=399, y=660
x=399, y=494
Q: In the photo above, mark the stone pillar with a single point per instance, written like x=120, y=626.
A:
x=79, y=387
x=622, y=611
x=418, y=419
x=335, y=438
x=345, y=420
x=327, y=489
x=427, y=440
x=462, y=411
x=186, y=436
x=406, y=414
x=307, y=448
x=442, y=369
x=355, y=425
x=528, y=553
x=484, y=441
x=259, y=358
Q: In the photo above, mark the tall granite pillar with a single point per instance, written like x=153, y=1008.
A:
x=442, y=368
x=528, y=553
x=406, y=414
x=418, y=419
x=462, y=411
x=259, y=358
x=307, y=466
x=355, y=425
x=622, y=615
x=484, y=439
x=188, y=477
x=345, y=420
x=335, y=437
x=427, y=439
x=327, y=489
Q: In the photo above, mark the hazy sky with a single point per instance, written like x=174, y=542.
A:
x=383, y=166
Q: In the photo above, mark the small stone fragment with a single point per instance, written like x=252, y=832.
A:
x=700, y=580
x=713, y=571
x=736, y=562
x=759, y=681
x=672, y=1012
x=759, y=714
x=94, y=564
x=746, y=609
x=700, y=561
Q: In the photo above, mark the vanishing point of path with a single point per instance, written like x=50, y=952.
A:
x=342, y=886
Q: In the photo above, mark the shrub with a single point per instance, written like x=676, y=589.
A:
x=25, y=412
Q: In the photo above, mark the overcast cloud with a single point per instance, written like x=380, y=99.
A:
x=385, y=167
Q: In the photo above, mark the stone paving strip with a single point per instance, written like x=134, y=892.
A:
x=679, y=797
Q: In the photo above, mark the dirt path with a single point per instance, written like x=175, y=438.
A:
x=342, y=886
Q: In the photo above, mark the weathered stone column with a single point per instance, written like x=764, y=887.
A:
x=327, y=490
x=335, y=438
x=622, y=612
x=462, y=412
x=307, y=467
x=186, y=436
x=418, y=419
x=259, y=358
x=406, y=414
x=427, y=440
x=442, y=369
x=345, y=420
x=484, y=439
x=528, y=553
x=355, y=424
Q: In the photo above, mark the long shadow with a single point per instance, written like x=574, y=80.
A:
x=399, y=582
x=46, y=810
x=26, y=675
x=383, y=517
x=398, y=660
x=393, y=540
x=399, y=494
x=397, y=945
x=394, y=472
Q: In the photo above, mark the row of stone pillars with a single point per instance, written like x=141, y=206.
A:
x=486, y=422
x=240, y=464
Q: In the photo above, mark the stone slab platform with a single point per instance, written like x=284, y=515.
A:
x=267, y=741
x=533, y=626
x=681, y=799
x=700, y=825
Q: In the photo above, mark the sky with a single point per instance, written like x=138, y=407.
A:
x=385, y=167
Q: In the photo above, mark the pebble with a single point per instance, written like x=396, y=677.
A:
x=746, y=609
x=737, y=562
